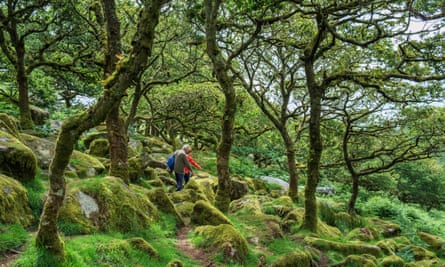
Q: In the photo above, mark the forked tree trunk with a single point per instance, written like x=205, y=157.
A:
x=220, y=68
x=48, y=237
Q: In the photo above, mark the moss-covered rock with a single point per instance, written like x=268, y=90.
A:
x=16, y=159
x=14, y=205
x=205, y=213
x=108, y=204
x=360, y=234
x=434, y=242
x=392, y=261
x=162, y=201
x=188, y=195
x=364, y=260
x=260, y=228
x=175, y=263
x=248, y=204
x=388, y=246
x=207, y=186
x=141, y=244
x=419, y=253
x=299, y=258
x=345, y=222
x=9, y=124
x=135, y=169
x=239, y=189
x=385, y=228
x=82, y=164
x=224, y=239
x=292, y=221
x=90, y=137
x=345, y=248
x=280, y=206
x=100, y=147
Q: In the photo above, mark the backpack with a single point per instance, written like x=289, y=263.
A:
x=171, y=163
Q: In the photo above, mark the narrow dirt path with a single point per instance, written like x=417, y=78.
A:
x=8, y=258
x=184, y=245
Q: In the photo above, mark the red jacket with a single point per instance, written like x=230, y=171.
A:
x=194, y=163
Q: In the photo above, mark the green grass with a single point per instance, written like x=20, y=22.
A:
x=11, y=237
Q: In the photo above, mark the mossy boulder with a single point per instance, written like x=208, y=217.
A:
x=224, y=239
x=142, y=245
x=93, y=135
x=364, y=260
x=345, y=222
x=207, y=186
x=385, y=228
x=9, y=124
x=16, y=159
x=299, y=258
x=388, y=246
x=188, y=195
x=293, y=220
x=419, y=253
x=82, y=164
x=392, y=261
x=239, y=189
x=280, y=206
x=260, y=228
x=434, y=242
x=205, y=213
x=105, y=204
x=100, y=147
x=158, y=197
x=360, y=234
x=14, y=205
x=175, y=263
x=248, y=204
x=345, y=248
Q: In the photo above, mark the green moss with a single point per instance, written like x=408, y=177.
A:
x=144, y=246
x=345, y=248
x=246, y=205
x=392, y=261
x=162, y=201
x=300, y=259
x=100, y=147
x=292, y=221
x=14, y=206
x=258, y=227
x=85, y=165
x=9, y=124
x=16, y=159
x=388, y=246
x=435, y=242
x=206, y=214
x=175, y=263
x=360, y=234
x=364, y=260
x=225, y=239
x=120, y=207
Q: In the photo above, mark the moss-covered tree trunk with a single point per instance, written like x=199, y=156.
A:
x=116, y=130
x=48, y=237
x=292, y=168
x=221, y=70
x=22, y=80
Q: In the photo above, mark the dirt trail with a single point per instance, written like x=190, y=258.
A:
x=188, y=249
x=8, y=258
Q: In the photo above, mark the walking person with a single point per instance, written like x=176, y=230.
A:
x=187, y=170
x=181, y=162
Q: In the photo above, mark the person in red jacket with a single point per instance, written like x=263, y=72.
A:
x=186, y=169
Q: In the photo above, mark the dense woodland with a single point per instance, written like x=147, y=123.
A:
x=345, y=94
